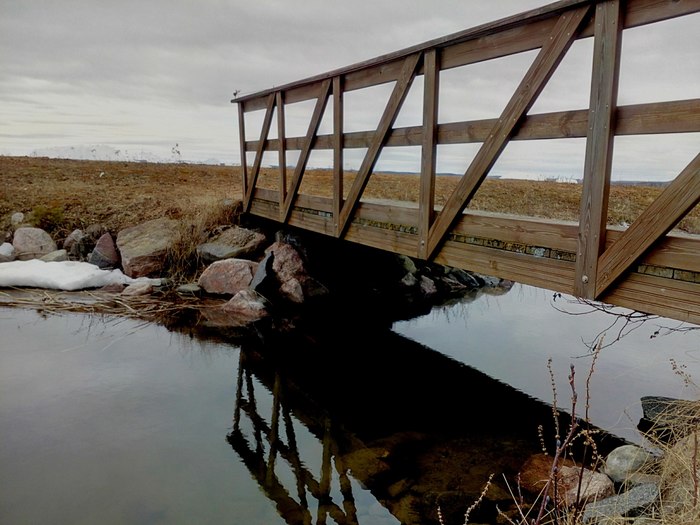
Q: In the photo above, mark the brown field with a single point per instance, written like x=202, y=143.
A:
x=69, y=194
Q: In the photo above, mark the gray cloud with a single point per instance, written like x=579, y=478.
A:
x=158, y=72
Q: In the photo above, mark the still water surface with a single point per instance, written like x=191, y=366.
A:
x=108, y=420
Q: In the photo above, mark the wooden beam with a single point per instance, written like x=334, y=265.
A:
x=599, y=146
x=281, y=148
x=387, y=121
x=678, y=116
x=315, y=122
x=431, y=92
x=337, y=151
x=264, y=132
x=242, y=143
x=532, y=84
x=664, y=213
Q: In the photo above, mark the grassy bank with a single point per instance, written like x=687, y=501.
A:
x=69, y=194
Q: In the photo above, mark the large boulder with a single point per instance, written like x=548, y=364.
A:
x=32, y=243
x=234, y=242
x=295, y=284
x=143, y=248
x=229, y=276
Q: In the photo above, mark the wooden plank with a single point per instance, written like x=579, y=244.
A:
x=557, y=235
x=532, y=84
x=242, y=142
x=387, y=121
x=337, y=151
x=431, y=92
x=599, y=146
x=550, y=274
x=264, y=132
x=678, y=116
x=675, y=250
x=656, y=295
x=282, y=155
x=306, y=150
x=676, y=200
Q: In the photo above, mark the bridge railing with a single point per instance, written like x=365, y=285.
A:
x=588, y=259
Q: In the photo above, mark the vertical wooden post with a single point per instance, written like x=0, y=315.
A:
x=426, y=205
x=282, y=150
x=599, y=146
x=337, y=151
x=241, y=133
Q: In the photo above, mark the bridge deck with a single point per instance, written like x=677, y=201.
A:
x=641, y=267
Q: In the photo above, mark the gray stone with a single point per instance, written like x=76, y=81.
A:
x=235, y=242
x=17, y=218
x=104, y=255
x=78, y=245
x=189, y=289
x=57, y=256
x=630, y=503
x=464, y=277
x=624, y=461
x=138, y=289
x=143, y=248
x=407, y=264
x=32, y=243
x=427, y=286
x=264, y=279
x=229, y=276
x=409, y=280
x=7, y=252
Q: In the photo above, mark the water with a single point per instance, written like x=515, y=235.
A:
x=107, y=420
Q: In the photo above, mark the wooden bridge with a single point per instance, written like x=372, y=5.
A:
x=645, y=266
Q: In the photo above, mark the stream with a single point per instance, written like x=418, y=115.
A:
x=111, y=420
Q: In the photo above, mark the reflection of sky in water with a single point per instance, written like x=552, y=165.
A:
x=510, y=337
x=113, y=421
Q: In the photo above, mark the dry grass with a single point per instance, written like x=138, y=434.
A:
x=120, y=194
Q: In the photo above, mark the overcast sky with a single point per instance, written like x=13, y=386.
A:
x=149, y=74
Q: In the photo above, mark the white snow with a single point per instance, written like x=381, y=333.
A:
x=67, y=275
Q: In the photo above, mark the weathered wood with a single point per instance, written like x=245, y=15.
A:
x=656, y=295
x=387, y=121
x=282, y=155
x=599, y=146
x=337, y=151
x=242, y=142
x=431, y=92
x=315, y=122
x=678, y=116
x=664, y=213
x=264, y=132
x=532, y=84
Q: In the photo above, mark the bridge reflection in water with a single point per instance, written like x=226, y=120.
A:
x=411, y=426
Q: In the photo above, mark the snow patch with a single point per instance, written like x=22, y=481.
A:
x=65, y=275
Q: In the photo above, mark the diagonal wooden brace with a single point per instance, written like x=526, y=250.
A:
x=408, y=73
x=319, y=109
x=674, y=203
x=544, y=65
x=259, y=153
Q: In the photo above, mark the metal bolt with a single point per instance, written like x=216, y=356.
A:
x=584, y=279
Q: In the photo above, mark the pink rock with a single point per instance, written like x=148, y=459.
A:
x=287, y=263
x=104, y=255
x=229, y=276
x=138, y=289
x=143, y=248
x=246, y=305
